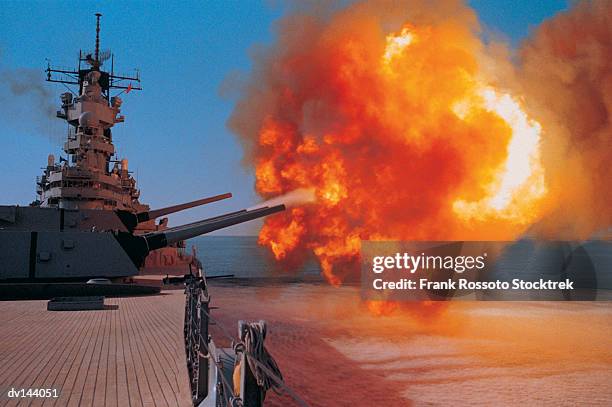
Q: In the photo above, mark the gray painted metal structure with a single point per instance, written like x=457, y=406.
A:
x=38, y=243
x=88, y=221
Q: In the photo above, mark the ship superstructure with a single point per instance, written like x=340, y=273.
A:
x=90, y=177
x=88, y=222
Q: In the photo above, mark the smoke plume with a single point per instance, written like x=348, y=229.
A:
x=28, y=102
x=407, y=126
x=565, y=74
x=301, y=196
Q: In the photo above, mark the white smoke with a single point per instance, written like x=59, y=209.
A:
x=300, y=196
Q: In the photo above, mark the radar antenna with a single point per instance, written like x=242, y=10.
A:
x=108, y=80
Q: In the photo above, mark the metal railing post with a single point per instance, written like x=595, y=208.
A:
x=202, y=356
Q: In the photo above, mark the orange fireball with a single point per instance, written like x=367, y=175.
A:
x=397, y=129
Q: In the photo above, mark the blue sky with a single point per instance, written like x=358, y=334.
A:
x=175, y=133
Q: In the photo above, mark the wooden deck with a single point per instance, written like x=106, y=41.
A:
x=128, y=355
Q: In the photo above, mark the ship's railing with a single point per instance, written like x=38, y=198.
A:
x=258, y=370
x=200, y=349
x=195, y=332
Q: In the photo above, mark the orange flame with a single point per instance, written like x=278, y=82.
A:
x=400, y=135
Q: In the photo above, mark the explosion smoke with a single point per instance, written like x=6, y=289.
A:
x=565, y=74
x=301, y=196
x=387, y=111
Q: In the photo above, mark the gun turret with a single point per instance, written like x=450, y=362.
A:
x=131, y=220
x=138, y=246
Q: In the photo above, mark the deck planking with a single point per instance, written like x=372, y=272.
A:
x=130, y=354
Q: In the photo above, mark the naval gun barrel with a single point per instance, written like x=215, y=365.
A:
x=137, y=247
x=157, y=240
x=145, y=216
x=226, y=215
x=131, y=220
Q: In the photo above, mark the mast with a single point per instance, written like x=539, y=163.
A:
x=93, y=62
x=97, y=52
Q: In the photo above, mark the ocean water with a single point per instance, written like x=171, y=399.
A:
x=334, y=351
x=242, y=257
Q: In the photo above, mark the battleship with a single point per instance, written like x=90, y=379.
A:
x=86, y=237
